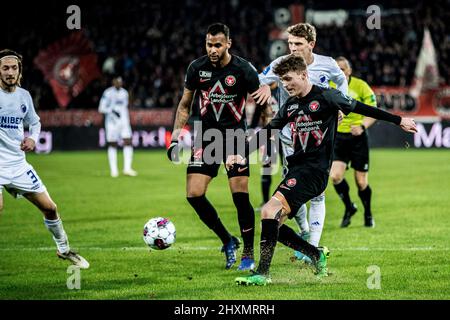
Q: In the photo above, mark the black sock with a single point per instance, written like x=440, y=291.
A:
x=266, y=181
x=366, y=196
x=343, y=190
x=290, y=238
x=246, y=218
x=269, y=236
x=209, y=216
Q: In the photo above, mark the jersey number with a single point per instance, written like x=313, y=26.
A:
x=33, y=177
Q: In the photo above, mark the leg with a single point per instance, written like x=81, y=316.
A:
x=51, y=218
x=44, y=203
x=304, y=229
x=266, y=181
x=360, y=162
x=246, y=218
x=112, y=159
x=317, y=213
x=128, y=158
x=196, y=187
x=302, y=220
x=365, y=194
x=343, y=190
x=273, y=214
x=54, y=224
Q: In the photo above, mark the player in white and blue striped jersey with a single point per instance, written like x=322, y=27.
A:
x=321, y=69
x=17, y=176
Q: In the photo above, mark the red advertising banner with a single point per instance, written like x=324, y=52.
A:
x=433, y=105
x=86, y=118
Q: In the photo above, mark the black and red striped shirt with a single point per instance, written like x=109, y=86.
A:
x=222, y=91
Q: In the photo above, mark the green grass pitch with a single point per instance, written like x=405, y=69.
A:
x=104, y=218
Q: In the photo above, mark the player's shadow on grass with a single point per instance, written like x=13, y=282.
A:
x=97, y=219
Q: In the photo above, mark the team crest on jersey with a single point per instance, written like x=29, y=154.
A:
x=291, y=182
x=323, y=79
x=230, y=80
x=314, y=106
x=23, y=108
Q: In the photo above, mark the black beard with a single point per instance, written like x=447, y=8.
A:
x=219, y=59
x=8, y=85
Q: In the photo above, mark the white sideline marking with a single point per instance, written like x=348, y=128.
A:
x=199, y=248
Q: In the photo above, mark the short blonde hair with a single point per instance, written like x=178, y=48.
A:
x=304, y=30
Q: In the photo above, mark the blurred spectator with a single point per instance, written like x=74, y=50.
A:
x=151, y=43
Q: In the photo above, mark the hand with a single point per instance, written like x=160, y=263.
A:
x=173, y=151
x=27, y=144
x=117, y=114
x=408, y=125
x=232, y=159
x=340, y=116
x=262, y=95
x=356, y=130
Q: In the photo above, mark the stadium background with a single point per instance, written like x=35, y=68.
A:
x=150, y=45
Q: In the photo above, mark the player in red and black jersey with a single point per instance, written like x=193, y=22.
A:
x=221, y=81
x=312, y=114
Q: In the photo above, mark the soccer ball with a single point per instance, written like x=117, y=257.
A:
x=159, y=233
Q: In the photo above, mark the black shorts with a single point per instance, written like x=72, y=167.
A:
x=206, y=162
x=354, y=149
x=301, y=185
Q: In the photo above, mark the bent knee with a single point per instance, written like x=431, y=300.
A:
x=361, y=181
x=361, y=184
x=194, y=194
x=336, y=177
x=49, y=209
x=267, y=212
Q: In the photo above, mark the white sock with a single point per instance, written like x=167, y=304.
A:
x=127, y=157
x=59, y=235
x=316, y=219
x=112, y=158
x=301, y=219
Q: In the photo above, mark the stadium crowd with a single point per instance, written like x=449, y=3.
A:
x=151, y=43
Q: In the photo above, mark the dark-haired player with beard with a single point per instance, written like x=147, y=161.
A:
x=17, y=176
x=221, y=81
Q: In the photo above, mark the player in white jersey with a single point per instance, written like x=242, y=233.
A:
x=17, y=176
x=114, y=105
x=321, y=69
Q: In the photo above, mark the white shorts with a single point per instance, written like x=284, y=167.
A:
x=116, y=131
x=21, y=180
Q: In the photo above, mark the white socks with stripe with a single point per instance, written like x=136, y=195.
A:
x=301, y=219
x=59, y=235
x=316, y=219
x=127, y=157
x=112, y=158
